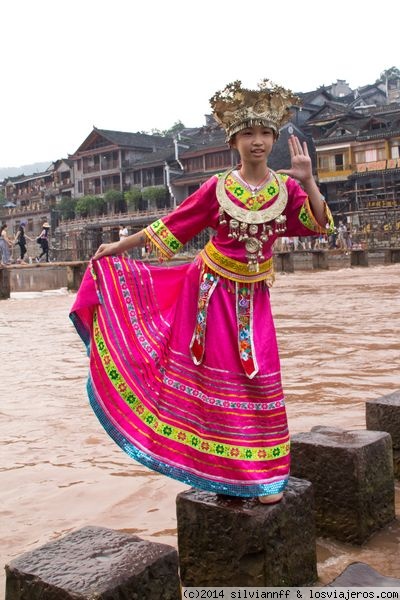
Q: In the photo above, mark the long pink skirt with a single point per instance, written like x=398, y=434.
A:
x=207, y=425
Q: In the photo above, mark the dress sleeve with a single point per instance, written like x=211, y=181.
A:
x=300, y=220
x=167, y=235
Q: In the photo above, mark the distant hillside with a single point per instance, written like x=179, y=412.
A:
x=23, y=169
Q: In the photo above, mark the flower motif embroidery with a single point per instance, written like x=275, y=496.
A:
x=113, y=374
x=219, y=449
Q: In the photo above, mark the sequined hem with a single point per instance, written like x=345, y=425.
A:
x=242, y=490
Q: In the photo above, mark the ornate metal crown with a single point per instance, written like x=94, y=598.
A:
x=236, y=108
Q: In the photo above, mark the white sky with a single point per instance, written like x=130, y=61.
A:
x=135, y=65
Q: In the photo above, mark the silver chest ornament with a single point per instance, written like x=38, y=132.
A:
x=252, y=227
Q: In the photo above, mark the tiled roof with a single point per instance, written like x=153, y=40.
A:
x=141, y=140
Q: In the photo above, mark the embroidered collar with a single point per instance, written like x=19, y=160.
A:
x=251, y=216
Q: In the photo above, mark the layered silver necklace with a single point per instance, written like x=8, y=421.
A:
x=253, y=227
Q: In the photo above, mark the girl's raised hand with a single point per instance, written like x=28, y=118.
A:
x=301, y=168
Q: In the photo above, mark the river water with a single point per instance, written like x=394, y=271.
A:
x=339, y=339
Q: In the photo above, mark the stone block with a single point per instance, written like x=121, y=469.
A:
x=383, y=414
x=352, y=477
x=283, y=262
x=360, y=574
x=5, y=286
x=226, y=541
x=320, y=259
x=94, y=563
x=359, y=258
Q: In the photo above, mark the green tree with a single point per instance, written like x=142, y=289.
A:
x=156, y=196
x=391, y=73
x=90, y=206
x=115, y=201
x=67, y=208
x=176, y=128
x=133, y=198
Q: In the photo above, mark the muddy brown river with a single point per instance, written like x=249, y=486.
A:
x=339, y=337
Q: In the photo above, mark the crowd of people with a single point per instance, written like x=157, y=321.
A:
x=20, y=238
x=339, y=239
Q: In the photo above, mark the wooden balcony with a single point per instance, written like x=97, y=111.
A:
x=336, y=175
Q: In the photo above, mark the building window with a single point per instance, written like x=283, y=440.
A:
x=395, y=150
x=338, y=162
x=137, y=180
x=195, y=164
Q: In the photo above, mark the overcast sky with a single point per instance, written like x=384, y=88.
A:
x=137, y=65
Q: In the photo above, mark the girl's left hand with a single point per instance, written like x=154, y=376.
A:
x=301, y=162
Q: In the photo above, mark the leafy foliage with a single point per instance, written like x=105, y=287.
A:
x=90, y=206
x=115, y=201
x=134, y=197
x=67, y=208
x=156, y=196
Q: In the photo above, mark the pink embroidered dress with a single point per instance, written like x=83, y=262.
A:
x=184, y=366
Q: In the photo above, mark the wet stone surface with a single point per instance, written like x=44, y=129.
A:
x=97, y=564
x=352, y=477
x=383, y=414
x=362, y=575
x=226, y=541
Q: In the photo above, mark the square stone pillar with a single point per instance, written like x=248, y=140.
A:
x=5, y=286
x=352, y=477
x=359, y=258
x=226, y=541
x=283, y=262
x=320, y=259
x=383, y=414
x=95, y=563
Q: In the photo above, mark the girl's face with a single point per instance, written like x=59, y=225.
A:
x=254, y=144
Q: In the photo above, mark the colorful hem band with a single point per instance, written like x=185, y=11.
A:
x=234, y=269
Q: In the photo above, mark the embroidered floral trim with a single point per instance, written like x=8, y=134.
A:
x=244, y=312
x=202, y=397
x=234, y=269
x=162, y=239
x=251, y=201
x=306, y=216
x=208, y=284
x=187, y=438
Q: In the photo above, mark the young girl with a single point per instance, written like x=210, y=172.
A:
x=5, y=246
x=184, y=366
x=20, y=239
x=43, y=240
